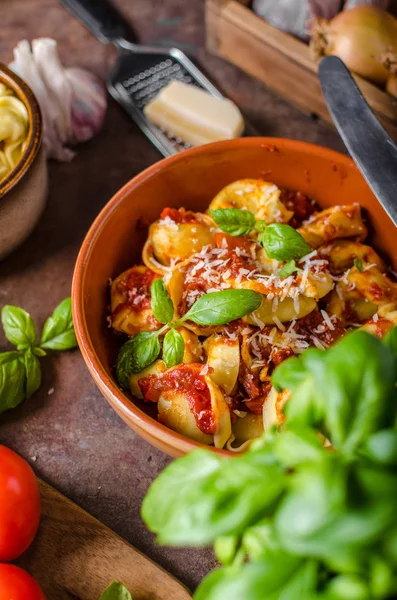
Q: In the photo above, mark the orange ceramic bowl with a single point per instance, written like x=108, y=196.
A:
x=191, y=179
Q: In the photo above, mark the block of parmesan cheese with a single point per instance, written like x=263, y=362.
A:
x=194, y=115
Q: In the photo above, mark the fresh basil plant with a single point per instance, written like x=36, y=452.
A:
x=291, y=518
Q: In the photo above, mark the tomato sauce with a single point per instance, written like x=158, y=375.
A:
x=300, y=204
x=179, y=215
x=232, y=262
x=314, y=325
x=222, y=240
x=185, y=379
x=135, y=290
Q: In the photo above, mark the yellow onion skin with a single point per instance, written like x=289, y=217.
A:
x=359, y=36
x=391, y=85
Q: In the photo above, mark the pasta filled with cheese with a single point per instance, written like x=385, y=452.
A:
x=14, y=125
x=175, y=236
x=217, y=388
x=259, y=197
x=190, y=403
x=130, y=301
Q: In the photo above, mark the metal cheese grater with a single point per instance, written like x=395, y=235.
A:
x=140, y=71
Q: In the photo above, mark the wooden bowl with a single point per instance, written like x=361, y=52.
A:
x=191, y=179
x=23, y=193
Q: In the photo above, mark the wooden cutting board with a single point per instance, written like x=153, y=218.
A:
x=75, y=557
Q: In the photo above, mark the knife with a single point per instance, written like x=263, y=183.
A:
x=369, y=144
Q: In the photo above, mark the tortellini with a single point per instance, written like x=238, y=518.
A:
x=333, y=223
x=130, y=301
x=190, y=403
x=286, y=310
x=259, y=197
x=221, y=393
x=223, y=359
x=175, y=236
x=14, y=125
x=341, y=255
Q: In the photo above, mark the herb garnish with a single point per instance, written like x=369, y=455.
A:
x=290, y=518
x=20, y=371
x=116, y=591
x=288, y=269
x=358, y=263
x=216, y=308
x=233, y=221
x=280, y=241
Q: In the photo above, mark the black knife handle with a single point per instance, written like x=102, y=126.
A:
x=369, y=144
x=102, y=19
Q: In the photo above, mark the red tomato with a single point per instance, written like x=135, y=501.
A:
x=19, y=505
x=16, y=584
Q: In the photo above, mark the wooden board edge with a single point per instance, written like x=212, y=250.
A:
x=47, y=491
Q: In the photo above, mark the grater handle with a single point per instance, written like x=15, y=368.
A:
x=102, y=19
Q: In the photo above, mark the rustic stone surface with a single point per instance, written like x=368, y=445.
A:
x=72, y=437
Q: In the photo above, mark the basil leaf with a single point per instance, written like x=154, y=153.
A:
x=358, y=263
x=233, y=221
x=298, y=445
x=348, y=587
x=202, y=496
x=381, y=448
x=173, y=348
x=219, y=308
x=287, y=270
x=358, y=389
x=293, y=371
x=334, y=511
x=12, y=380
x=162, y=305
x=33, y=373
x=259, y=539
x=135, y=355
x=19, y=326
x=283, y=242
x=116, y=591
x=390, y=340
x=274, y=577
x=58, y=331
x=225, y=548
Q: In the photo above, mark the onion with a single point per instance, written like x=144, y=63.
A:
x=359, y=36
x=389, y=60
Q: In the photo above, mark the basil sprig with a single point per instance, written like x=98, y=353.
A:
x=161, y=303
x=290, y=518
x=116, y=591
x=173, y=348
x=216, y=308
x=288, y=269
x=219, y=308
x=233, y=221
x=280, y=241
x=20, y=371
x=283, y=242
x=58, y=331
x=358, y=263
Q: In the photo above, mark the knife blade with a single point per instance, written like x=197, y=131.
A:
x=368, y=143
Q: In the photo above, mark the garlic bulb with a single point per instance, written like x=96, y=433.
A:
x=72, y=100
